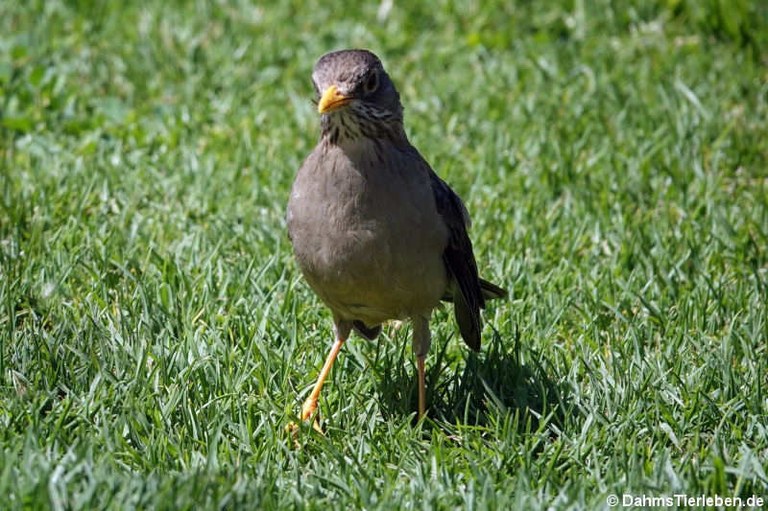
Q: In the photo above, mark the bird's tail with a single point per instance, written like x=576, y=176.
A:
x=491, y=291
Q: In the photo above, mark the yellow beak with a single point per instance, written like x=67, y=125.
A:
x=331, y=100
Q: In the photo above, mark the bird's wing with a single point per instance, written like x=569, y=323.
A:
x=460, y=262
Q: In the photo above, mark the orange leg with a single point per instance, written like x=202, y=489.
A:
x=421, y=341
x=422, y=386
x=310, y=405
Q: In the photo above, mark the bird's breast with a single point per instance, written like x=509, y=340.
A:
x=366, y=232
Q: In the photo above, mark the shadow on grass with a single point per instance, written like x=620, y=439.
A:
x=492, y=384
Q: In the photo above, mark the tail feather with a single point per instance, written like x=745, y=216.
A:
x=369, y=332
x=491, y=291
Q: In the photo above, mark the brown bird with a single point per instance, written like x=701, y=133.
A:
x=376, y=233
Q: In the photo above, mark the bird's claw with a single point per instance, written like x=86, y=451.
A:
x=308, y=409
x=307, y=413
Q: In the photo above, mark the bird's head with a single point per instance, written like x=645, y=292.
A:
x=356, y=97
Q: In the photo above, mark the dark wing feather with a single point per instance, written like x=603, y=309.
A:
x=460, y=262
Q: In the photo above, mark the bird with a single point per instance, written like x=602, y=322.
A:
x=377, y=235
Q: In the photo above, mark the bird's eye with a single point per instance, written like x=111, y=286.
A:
x=371, y=83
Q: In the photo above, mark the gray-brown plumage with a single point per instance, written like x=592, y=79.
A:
x=376, y=233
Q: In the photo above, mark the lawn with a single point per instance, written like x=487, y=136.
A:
x=156, y=337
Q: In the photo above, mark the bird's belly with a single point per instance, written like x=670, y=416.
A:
x=367, y=237
x=373, y=271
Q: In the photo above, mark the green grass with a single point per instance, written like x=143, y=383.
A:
x=156, y=336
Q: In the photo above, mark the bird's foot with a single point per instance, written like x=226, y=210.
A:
x=309, y=408
x=307, y=413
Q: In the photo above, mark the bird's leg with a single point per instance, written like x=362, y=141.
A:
x=310, y=405
x=422, y=386
x=421, y=343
